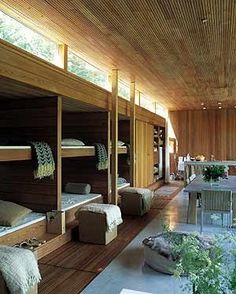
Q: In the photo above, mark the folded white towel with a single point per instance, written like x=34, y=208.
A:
x=113, y=213
x=19, y=269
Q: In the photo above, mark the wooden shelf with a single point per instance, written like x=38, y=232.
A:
x=15, y=153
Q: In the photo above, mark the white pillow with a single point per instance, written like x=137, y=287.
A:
x=120, y=143
x=71, y=142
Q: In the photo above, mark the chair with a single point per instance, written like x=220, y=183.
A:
x=216, y=201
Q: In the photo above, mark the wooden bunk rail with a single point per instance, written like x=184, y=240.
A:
x=18, y=153
x=10, y=153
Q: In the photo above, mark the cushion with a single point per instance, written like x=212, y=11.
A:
x=120, y=143
x=11, y=213
x=77, y=188
x=71, y=142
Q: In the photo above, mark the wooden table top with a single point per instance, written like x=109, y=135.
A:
x=198, y=184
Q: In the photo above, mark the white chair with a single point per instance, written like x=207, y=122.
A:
x=216, y=202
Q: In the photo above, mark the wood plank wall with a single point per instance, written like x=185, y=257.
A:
x=30, y=120
x=144, y=154
x=90, y=128
x=124, y=135
x=206, y=132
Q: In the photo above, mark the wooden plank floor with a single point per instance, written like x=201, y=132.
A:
x=71, y=267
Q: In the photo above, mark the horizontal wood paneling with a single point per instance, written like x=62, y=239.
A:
x=30, y=120
x=206, y=132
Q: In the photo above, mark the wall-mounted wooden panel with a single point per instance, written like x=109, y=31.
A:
x=30, y=120
x=206, y=132
x=144, y=154
x=90, y=128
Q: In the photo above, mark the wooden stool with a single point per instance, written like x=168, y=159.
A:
x=135, y=201
x=93, y=228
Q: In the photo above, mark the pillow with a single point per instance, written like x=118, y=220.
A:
x=120, y=143
x=11, y=213
x=72, y=142
x=77, y=188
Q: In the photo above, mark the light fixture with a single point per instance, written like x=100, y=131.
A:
x=202, y=103
x=204, y=20
x=219, y=103
x=204, y=108
x=219, y=107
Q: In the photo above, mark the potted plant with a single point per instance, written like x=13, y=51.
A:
x=214, y=172
x=205, y=264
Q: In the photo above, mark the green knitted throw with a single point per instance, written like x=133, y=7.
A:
x=101, y=156
x=44, y=165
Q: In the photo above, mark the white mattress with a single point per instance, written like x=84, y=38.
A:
x=28, y=220
x=73, y=200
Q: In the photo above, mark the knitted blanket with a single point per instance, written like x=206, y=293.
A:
x=44, y=165
x=112, y=212
x=19, y=269
x=101, y=156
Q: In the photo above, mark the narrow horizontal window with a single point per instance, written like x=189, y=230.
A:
x=123, y=90
x=21, y=36
x=147, y=103
x=85, y=70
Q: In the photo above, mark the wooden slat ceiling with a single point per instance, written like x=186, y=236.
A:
x=165, y=45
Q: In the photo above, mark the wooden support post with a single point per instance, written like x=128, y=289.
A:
x=58, y=160
x=132, y=134
x=63, y=56
x=167, y=154
x=114, y=137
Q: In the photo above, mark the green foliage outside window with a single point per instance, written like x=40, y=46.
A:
x=85, y=70
x=123, y=90
x=19, y=35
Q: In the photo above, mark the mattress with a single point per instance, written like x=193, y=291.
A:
x=73, y=200
x=28, y=220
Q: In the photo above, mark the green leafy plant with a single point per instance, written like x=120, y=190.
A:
x=214, y=172
x=208, y=269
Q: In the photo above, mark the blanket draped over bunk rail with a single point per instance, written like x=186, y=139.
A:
x=101, y=155
x=43, y=160
x=112, y=212
x=19, y=269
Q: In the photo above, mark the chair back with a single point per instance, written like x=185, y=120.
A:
x=216, y=200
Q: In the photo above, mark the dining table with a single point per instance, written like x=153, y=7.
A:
x=195, y=188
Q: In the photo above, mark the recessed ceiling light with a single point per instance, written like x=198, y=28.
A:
x=202, y=103
x=219, y=103
x=219, y=107
x=204, y=20
x=204, y=108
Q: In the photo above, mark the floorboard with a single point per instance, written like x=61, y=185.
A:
x=70, y=268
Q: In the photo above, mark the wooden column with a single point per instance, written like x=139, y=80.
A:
x=167, y=154
x=114, y=137
x=63, y=56
x=132, y=134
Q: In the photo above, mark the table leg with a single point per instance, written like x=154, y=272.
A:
x=234, y=209
x=192, y=208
